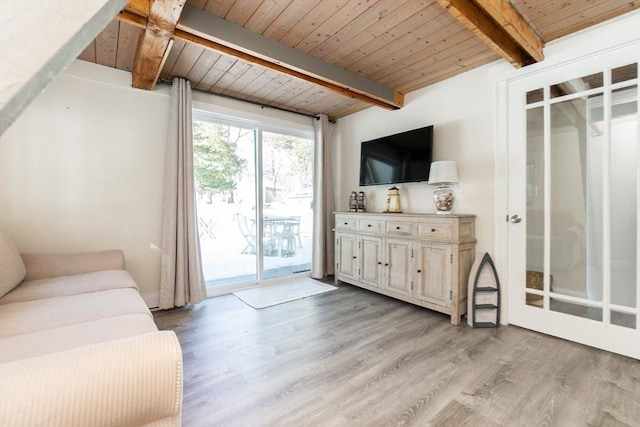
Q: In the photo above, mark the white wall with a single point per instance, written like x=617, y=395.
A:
x=82, y=169
x=461, y=111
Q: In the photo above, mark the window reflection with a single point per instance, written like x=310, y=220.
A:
x=534, y=96
x=622, y=74
x=577, y=85
x=572, y=173
x=623, y=190
x=535, y=205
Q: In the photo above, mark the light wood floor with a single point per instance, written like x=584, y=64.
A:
x=354, y=358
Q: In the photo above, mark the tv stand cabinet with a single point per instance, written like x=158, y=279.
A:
x=423, y=259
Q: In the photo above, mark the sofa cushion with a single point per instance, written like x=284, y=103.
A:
x=43, y=266
x=135, y=381
x=12, y=269
x=43, y=314
x=74, y=336
x=31, y=290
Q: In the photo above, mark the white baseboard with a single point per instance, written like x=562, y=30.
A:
x=152, y=299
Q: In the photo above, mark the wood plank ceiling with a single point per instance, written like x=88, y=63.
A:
x=404, y=45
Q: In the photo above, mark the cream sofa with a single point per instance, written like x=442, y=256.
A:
x=78, y=346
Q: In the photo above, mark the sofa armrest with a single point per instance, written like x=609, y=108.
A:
x=43, y=266
x=132, y=381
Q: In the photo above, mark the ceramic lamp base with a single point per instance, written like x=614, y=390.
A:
x=443, y=198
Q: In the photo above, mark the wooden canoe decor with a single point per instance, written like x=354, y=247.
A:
x=484, y=310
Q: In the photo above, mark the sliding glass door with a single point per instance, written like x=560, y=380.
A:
x=225, y=179
x=254, y=190
x=287, y=171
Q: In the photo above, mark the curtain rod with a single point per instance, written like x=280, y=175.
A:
x=263, y=106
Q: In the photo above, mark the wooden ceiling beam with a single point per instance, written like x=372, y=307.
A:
x=187, y=37
x=156, y=41
x=139, y=7
x=500, y=27
x=508, y=17
x=210, y=31
x=291, y=62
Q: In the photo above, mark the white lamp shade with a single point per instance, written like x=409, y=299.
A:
x=443, y=172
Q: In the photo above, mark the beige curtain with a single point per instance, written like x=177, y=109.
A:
x=181, y=278
x=323, y=206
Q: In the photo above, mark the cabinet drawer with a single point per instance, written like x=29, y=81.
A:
x=403, y=228
x=370, y=226
x=440, y=230
x=346, y=223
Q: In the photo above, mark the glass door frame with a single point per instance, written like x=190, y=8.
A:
x=258, y=128
x=602, y=335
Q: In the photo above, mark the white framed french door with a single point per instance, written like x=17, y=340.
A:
x=573, y=200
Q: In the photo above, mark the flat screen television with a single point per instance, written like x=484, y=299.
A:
x=392, y=159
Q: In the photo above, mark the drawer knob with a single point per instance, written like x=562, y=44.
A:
x=354, y=257
x=386, y=264
x=379, y=263
x=368, y=225
x=419, y=271
x=398, y=228
x=346, y=223
x=433, y=230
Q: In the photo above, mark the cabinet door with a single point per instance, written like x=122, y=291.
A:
x=433, y=273
x=397, y=264
x=370, y=260
x=346, y=258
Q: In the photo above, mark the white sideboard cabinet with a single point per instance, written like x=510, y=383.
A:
x=423, y=259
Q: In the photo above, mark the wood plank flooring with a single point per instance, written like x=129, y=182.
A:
x=353, y=357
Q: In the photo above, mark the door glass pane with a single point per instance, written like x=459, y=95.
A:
x=624, y=202
x=535, y=300
x=287, y=168
x=576, y=309
x=577, y=85
x=535, y=204
x=623, y=319
x=627, y=72
x=569, y=173
x=224, y=165
x=534, y=96
x=595, y=196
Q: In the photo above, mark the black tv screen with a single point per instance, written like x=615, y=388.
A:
x=403, y=157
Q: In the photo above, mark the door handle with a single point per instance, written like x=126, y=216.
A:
x=515, y=219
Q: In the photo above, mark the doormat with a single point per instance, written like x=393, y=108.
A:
x=270, y=295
